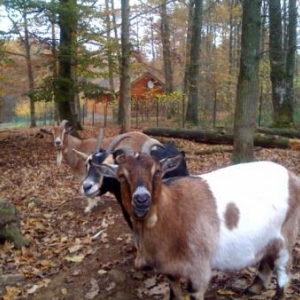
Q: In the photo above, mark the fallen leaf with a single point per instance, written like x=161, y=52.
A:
x=74, y=248
x=94, y=290
x=75, y=259
x=225, y=292
x=11, y=293
x=33, y=289
x=150, y=282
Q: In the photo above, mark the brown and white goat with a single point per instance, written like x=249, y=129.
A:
x=225, y=220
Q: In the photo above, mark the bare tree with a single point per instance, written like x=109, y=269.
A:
x=109, y=49
x=291, y=50
x=25, y=9
x=282, y=103
x=248, y=83
x=166, y=46
x=193, y=68
x=66, y=94
x=125, y=91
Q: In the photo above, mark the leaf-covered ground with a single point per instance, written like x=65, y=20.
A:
x=73, y=255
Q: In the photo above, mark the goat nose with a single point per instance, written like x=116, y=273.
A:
x=141, y=198
x=87, y=186
x=57, y=143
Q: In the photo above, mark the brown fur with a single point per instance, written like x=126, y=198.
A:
x=291, y=224
x=70, y=142
x=173, y=245
x=231, y=216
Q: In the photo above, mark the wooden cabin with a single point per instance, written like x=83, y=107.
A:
x=143, y=88
x=146, y=86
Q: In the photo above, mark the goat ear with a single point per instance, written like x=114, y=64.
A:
x=170, y=163
x=69, y=129
x=120, y=154
x=117, y=153
x=120, y=158
x=47, y=131
x=81, y=155
x=106, y=170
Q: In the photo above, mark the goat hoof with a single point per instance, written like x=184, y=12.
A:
x=254, y=289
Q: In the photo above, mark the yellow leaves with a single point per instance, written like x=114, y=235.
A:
x=75, y=258
x=225, y=292
x=11, y=293
x=265, y=295
x=22, y=108
x=64, y=291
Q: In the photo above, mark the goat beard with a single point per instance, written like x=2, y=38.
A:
x=59, y=157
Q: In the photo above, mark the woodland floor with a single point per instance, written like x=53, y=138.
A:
x=74, y=256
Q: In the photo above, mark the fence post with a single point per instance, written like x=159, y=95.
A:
x=136, y=107
x=183, y=110
x=105, y=112
x=260, y=105
x=215, y=111
x=82, y=113
x=157, y=110
x=93, y=114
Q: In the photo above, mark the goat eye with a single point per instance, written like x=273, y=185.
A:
x=157, y=173
x=122, y=177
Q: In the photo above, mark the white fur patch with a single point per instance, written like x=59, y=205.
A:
x=95, y=187
x=280, y=265
x=260, y=192
x=140, y=190
x=59, y=158
x=92, y=202
x=152, y=221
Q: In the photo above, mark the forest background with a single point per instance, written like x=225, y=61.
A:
x=53, y=50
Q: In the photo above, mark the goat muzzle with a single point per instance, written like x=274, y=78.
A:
x=57, y=145
x=141, y=204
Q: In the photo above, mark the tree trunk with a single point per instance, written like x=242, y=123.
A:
x=188, y=48
x=125, y=91
x=291, y=51
x=119, y=55
x=29, y=72
x=248, y=86
x=109, y=52
x=166, y=46
x=10, y=224
x=193, y=69
x=290, y=133
x=65, y=82
x=54, y=67
x=213, y=137
x=283, y=109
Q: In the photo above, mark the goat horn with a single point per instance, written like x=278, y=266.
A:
x=63, y=123
x=99, y=141
x=81, y=155
x=127, y=150
x=116, y=141
x=149, y=144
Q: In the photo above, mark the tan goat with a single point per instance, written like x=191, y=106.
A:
x=64, y=143
x=225, y=220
